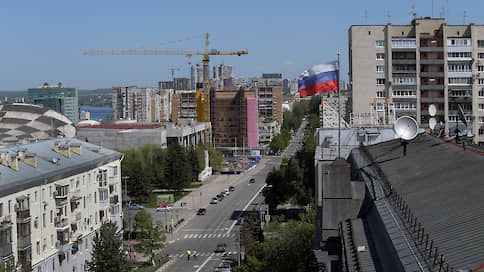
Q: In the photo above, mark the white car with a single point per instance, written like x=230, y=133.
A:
x=163, y=209
x=226, y=192
x=214, y=200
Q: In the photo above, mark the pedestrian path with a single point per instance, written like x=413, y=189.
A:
x=207, y=235
x=205, y=254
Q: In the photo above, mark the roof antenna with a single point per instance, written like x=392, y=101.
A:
x=465, y=16
x=412, y=10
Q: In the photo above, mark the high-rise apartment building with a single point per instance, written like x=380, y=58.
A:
x=58, y=98
x=411, y=67
x=141, y=104
x=270, y=103
x=55, y=196
x=184, y=105
x=196, y=77
x=223, y=71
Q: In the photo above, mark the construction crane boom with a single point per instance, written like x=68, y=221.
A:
x=204, y=114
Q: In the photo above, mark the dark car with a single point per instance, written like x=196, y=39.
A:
x=221, y=247
x=252, y=180
x=202, y=211
x=231, y=188
x=240, y=220
x=220, y=197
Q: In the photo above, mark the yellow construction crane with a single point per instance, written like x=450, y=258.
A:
x=203, y=98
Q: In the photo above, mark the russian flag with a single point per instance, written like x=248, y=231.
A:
x=319, y=78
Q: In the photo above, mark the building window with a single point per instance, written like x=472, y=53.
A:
x=459, y=55
x=481, y=93
x=380, y=56
x=460, y=80
x=459, y=42
x=95, y=197
x=380, y=43
x=460, y=67
x=461, y=93
x=89, y=178
x=481, y=106
x=51, y=216
x=380, y=94
x=480, y=43
x=404, y=80
x=481, y=119
x=380, y=68
x=481, y=81
x=115, y=170
x=380, y=81
x=480, y=55
x=35, y=196
x=404, y=43
x=50, y=191
x=481, y=131
x=44, y=245
x=52, y=240
x=36, y=222
x=44, y=222
x=37, y=247
x=9, y=206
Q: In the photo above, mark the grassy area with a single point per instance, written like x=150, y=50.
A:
x=195, y=185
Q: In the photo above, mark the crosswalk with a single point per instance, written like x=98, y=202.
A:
x=208, y=235
x=206, y=254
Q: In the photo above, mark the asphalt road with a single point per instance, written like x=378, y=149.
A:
x=203, y=233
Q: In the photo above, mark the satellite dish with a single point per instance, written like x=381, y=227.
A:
x=432, y=110
x=432, y=123
x=406, y=128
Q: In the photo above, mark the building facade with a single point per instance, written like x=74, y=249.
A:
x=184, y=105
x=196, y=77
x=234, y=118
x=270, y=103
x=55, y=195
x=411, y=67
x=141, y=104
x=61, y=99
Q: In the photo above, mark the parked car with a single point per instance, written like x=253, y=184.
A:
x=221, y=247
x=163, y=209
x=252, y=180
x=220, y=197
x=225, y=192
x=231, y=188
x=225, y=267
x=214, y=200
x=202, y=211
x=133, y=206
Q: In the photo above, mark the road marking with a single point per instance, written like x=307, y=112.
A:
x=245, y=208
x=204, y=263
x=185, y=237
x=218, y=235
x=205, y=235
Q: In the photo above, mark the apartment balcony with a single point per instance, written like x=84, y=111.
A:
x=432, y=74
x=432, y=100
x=24, y=242
x=459, y=48
x=431, y=61
x=61, y=194
x=103, y=183
x=431, y=49
x=460, y=99
x=62, y=246
x=6, y=251
x=406, y=72
x=23, y=216
x=432, y=87
x=404, y=61
x=61, y=223
x=404, y=49
x=76, y=216
x=113, y=200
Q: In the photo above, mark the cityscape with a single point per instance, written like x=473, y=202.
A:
x=271, y=137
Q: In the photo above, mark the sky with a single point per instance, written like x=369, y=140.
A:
x=43, y=41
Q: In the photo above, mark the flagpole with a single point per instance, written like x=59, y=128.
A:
x=339, y=112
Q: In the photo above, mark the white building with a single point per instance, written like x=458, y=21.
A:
x=54, y=195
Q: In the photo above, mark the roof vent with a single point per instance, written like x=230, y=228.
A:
x=76, y=148
x=29, y=159
x=14, y=162
x=55, y=161
x=4, y=158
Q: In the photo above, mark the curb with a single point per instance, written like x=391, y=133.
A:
x=166, y=265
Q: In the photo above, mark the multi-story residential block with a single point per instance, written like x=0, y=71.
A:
x=184, y=105
x=223, y=71
x=196, y=77
x=55, y=195
x=141, y=104
x=270, y=103
x=267, y=80
x=234, y=118
x=267, y=131
x=58, y=98
x=411, y=67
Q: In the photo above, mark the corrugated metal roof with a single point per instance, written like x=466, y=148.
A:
x=443, y=186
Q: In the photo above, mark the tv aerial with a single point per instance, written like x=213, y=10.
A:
x=405, y=128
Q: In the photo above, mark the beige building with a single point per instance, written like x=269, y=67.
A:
x=407, y=68
x=54, y=195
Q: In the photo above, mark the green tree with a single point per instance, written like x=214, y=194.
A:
x=195, y=163
x=150, y=237
x=178, y=172
x=215, y=158
x=107, y=254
